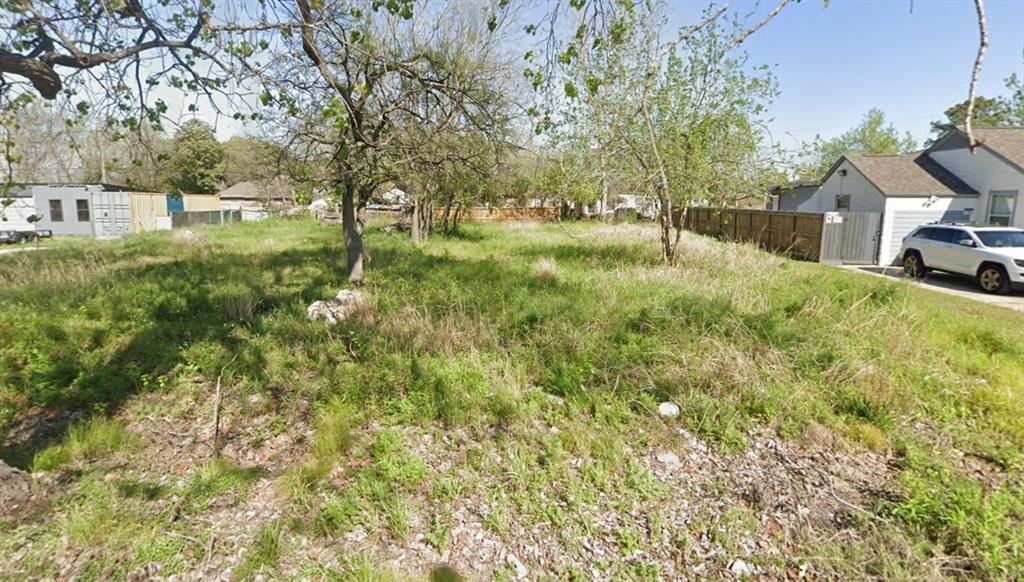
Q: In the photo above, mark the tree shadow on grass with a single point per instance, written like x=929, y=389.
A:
x=154, y=313
x=154, y=316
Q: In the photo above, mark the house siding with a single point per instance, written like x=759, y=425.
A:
x=789, y=200
x=864, y=196
x=984, y=172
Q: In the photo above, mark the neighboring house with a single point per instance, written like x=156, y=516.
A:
x=788, y=198
x=946, y=182
x=254, y=200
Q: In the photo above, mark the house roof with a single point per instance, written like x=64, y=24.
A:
x=794, y=185
x=1006, y=143
x=913, y=174
x=249, y=191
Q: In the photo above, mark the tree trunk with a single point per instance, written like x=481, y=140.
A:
x=604, y=194
x=414, y=228
x=446, y=214
x=353, y=236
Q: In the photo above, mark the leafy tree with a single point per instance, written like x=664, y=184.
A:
x=196, y=160
x=987, y=113
x=872, y=136
x=1002, y=111
x=250, y=159
x=669, y=116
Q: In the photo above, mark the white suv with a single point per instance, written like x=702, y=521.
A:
x=993, y=255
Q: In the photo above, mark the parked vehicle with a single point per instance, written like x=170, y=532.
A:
x=994, y=256
x=23, y=236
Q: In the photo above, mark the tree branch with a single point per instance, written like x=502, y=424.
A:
x=976, y=73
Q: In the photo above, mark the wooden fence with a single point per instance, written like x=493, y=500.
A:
x=797, y=234
x=834, y=237
x=510, y=213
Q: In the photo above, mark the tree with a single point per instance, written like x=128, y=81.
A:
x=987, y=113
x=872, y=136
x=670, y=116
x=1002, y=111
x=196, y=160
x=371, y=94
x=251, y=159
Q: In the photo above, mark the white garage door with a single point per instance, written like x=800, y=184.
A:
x=904, y=221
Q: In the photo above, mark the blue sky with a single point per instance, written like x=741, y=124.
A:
x=835, y=63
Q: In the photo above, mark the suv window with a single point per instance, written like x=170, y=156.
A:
x=960, y=235
x=942, y=235
x=923, y=233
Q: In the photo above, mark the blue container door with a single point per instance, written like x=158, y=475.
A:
x=175, y=203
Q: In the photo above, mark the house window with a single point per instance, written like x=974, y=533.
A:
x=56, y=211
x=843, y=202
x=1000, y=207
x=83, y=210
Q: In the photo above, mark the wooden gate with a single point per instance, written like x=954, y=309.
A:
x=851, y=238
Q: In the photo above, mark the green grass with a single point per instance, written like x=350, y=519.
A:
x=486, y=335
x=85, y=441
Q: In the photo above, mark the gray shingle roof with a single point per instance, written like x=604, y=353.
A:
x=1008, y=142
x=913, y=174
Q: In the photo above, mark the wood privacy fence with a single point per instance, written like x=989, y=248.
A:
x=510, y=213
x=847, y=237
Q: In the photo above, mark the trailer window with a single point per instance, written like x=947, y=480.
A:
x=83, y=210
x=56, y=211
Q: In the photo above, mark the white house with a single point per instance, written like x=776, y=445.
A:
x=946, y=182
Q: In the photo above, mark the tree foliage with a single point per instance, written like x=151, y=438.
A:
x=196, y=159
x=873, y=135
x=1002, y=111
x=674, y=117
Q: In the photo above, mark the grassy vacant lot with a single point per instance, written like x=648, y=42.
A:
x=495, y=411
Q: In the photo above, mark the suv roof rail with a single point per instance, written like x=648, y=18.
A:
x=950, y=223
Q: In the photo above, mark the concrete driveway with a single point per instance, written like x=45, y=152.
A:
x=945, y=283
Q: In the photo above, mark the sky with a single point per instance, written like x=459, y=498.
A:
x=834, y=63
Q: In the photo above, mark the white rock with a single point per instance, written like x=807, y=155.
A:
x=741, y=568
x=668, y=458
x=520, y=569
x=668, y=410
x=344, y=304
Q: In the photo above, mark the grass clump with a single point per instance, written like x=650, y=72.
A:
x=263, y=555
x=85, y=441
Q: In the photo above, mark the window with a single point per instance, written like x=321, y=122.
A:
x=843, y=202
x=923, y=233
x=943, y=235
x=962, y=235
x=1000, y=207
x=56, y=211
x=83, y=210
x=1001, y=238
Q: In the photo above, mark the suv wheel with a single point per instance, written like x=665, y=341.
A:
x=993, y=279
x=913, y=266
